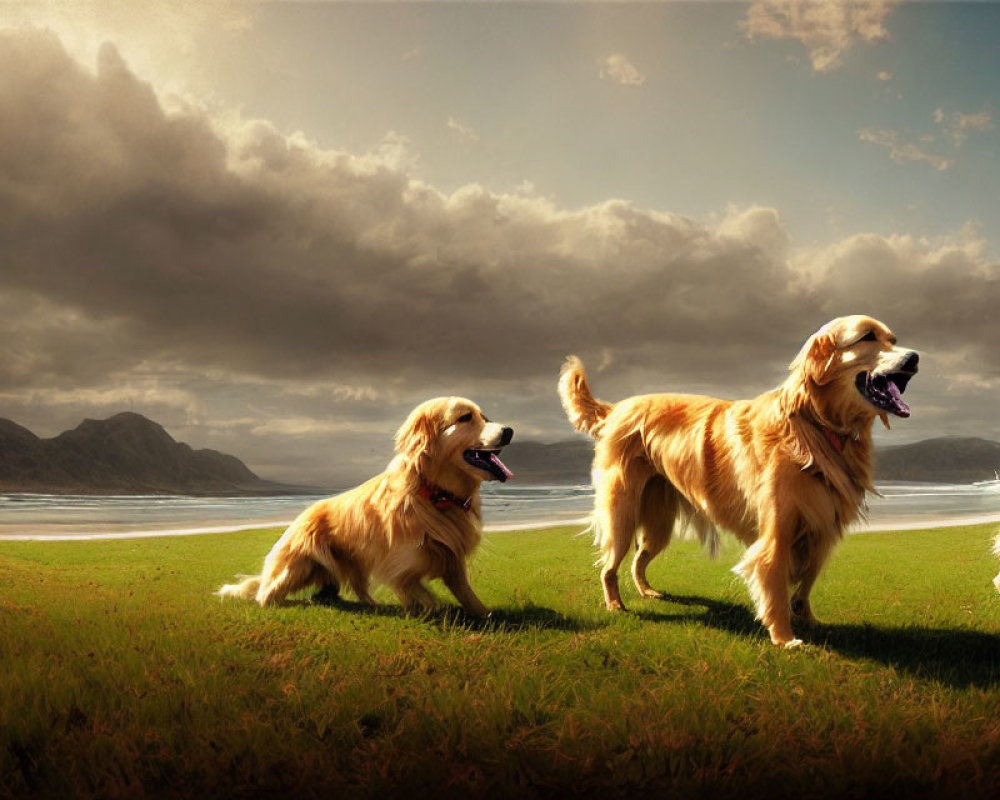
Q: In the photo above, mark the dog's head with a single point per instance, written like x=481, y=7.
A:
x=852, y=368
x=451, y=435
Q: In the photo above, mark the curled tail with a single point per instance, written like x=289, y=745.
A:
x=245, y=589
x=585, y=412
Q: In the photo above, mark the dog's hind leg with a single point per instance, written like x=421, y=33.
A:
x=339, y=568
x=357, y=578
x=361, y=588
x=285, y=576
x=617, y=510
x=658, y=509
x=415, y=597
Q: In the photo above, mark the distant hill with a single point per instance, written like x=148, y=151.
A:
x=560, y=463
x=129, y=454
x=943, y=460
x=950, y=459
x=124, y=454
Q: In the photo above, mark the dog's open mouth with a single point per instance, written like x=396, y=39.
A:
x=884, y=391
x=488, y=461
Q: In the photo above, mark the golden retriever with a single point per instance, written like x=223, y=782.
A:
x=420, y=519
x=785, y=472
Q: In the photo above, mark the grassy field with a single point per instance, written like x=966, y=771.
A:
x=122, y=676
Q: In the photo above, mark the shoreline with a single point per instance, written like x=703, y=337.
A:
x=928, y=524
x=200, y=530
x=931, y=522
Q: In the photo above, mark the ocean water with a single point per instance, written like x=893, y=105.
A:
x=505, y=506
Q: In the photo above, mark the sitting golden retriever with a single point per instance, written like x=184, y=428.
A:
x=785, y=472
x=418, y=519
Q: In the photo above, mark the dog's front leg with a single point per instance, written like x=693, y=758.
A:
x=457, y=581
x=801, y=607
x=777, y=616
x=765, y=567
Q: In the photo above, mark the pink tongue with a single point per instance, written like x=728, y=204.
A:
x=495, y=460
x=902, y=409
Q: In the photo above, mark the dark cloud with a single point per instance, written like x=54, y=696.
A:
x=944, y=292
x=137, y=237
x=260, y=253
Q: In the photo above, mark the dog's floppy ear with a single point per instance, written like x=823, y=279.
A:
x=416, y=436
x=815, y=360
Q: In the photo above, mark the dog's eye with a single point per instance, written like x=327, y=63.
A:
x=869, y=337
x=465, y=418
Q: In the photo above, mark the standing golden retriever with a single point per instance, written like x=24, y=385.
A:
x=785, y=472
x=418, y=519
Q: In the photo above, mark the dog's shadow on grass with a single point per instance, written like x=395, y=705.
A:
x=499, y=620
x=718, y=614
x=952, y=656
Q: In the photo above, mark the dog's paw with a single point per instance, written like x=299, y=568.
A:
x=784, y=638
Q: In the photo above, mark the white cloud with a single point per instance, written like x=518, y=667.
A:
x=827, y=28
x=760, y=228
x=955, y=129
x=312, y=427
x=903, y=151
x=958, y=126
x=619, y=69
x=465, y=133
x=941, y=291
x=227, y=270
x=244, y=251
x=239, y=247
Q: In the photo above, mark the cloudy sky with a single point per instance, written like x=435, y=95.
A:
x=275, y=227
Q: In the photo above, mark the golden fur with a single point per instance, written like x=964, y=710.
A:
x=785, y=472
x=391, y=529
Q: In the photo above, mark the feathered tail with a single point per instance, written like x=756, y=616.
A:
x=585, y=412
x=245, y=589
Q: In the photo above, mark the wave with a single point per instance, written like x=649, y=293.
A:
x=504, y=505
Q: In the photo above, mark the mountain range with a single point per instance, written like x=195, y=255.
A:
x=124, y=454
x=130, y=454
x=950, y=459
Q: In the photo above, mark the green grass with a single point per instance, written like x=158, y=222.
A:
x=121, y=675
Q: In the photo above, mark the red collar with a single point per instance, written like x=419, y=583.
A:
x=838, y=440
x=442, y=499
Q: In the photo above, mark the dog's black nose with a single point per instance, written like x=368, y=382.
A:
x=505, y=436
x=910, y=362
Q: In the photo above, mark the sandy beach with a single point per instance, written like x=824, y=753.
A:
x=896, y=507
x=930, y=521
